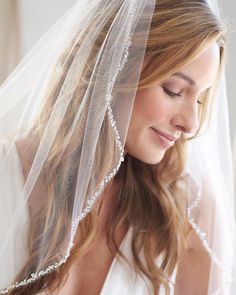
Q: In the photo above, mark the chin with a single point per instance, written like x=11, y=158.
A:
x=148, y=156
x=152, y=160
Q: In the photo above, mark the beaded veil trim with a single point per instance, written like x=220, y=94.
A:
x=96, y=195
x=202, y=234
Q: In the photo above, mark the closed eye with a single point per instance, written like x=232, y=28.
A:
x=173, y=94
x=170, y=93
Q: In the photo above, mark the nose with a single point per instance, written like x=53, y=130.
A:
x=186, y=118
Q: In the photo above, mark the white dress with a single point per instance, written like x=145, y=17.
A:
x=120, y=279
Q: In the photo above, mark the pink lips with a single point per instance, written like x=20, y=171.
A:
x=165, y=139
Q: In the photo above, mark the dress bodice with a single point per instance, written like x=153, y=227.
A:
x=122, y=280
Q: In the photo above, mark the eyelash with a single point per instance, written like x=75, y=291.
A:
x=172, y=94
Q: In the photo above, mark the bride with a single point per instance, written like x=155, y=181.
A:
x=113, y=177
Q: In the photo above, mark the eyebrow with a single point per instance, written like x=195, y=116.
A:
x=185, y=77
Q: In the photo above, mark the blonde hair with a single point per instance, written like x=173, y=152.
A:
x=152, y=200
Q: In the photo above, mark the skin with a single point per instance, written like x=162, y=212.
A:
x=155, y=108
x=174, y=115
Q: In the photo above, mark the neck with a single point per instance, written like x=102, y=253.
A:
x=106, y=202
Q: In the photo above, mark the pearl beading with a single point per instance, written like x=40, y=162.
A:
x=96, y=195
x=202, y=235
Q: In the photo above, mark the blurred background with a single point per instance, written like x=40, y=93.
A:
x=23, y=22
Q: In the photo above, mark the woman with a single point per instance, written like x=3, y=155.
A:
x=113, y=191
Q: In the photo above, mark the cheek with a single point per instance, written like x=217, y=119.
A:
x=151, y=108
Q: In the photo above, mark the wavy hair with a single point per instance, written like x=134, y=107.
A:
x=152, y=199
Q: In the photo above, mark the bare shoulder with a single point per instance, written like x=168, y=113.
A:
x=194, y=265
x=25, y=148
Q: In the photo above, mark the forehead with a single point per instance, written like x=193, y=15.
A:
x=203, y=69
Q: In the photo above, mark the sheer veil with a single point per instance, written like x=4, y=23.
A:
x=68, y=102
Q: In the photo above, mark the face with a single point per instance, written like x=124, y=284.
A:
x=163, y=112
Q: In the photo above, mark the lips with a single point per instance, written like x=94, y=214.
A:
x=169, y=137
x=166, y=140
